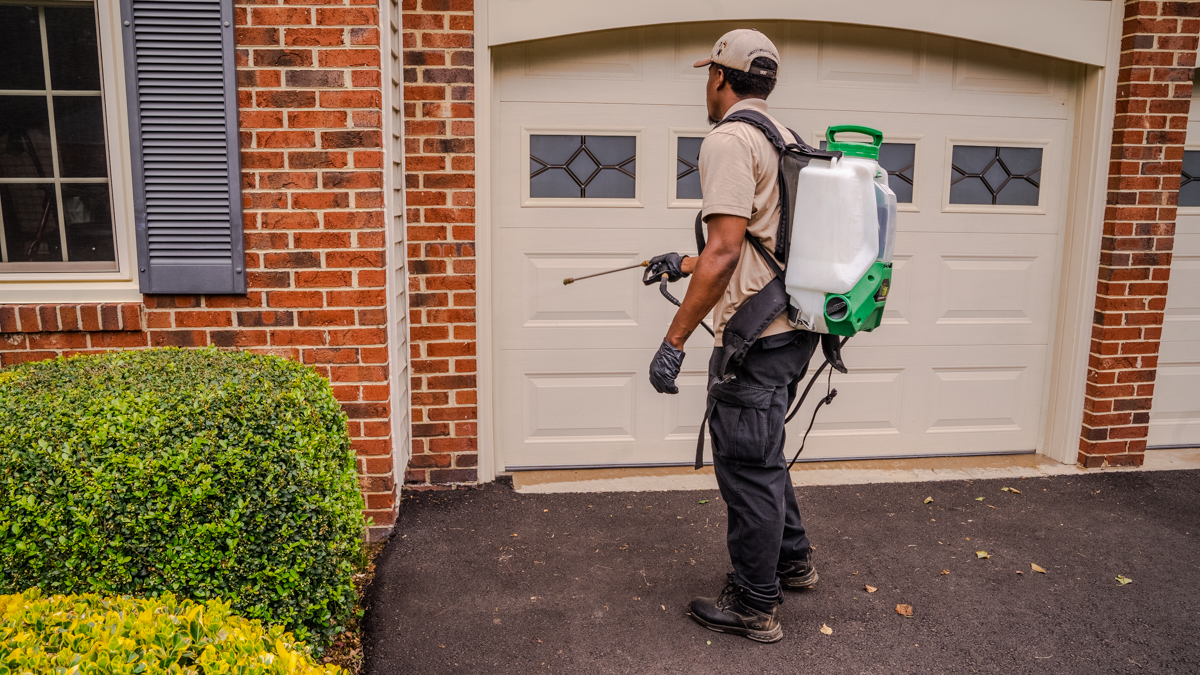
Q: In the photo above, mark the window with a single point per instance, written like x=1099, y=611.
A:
x=55, y=202
x=995, y=175
x=687, y=163
x=1189, y=184
x=582, y=167
x=899, y=160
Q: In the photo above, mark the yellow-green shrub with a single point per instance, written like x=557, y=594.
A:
x=86, y=634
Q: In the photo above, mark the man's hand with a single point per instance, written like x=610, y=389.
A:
x=665, y=368
x=670, y=264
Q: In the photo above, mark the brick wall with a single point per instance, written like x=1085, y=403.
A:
x=1158, y=55
x=310, y=102
x=439, y=147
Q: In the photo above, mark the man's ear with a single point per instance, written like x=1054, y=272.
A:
x=720, y=78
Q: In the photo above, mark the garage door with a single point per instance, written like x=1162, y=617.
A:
x=1175, y=417
x=595, y=140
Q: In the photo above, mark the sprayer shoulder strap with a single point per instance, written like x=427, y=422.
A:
x=792, y=158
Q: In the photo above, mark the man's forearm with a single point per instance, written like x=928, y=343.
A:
x=710, y=272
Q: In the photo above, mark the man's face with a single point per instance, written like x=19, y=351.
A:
x=716, y=79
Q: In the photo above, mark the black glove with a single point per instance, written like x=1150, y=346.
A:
x=668, y=263
x=665, y=368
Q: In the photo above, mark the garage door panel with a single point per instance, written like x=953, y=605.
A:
x=536, y=311
x=1181, y=321
x=1175, y=418
x=927, y=400
x=968, y=289
x=826, y=66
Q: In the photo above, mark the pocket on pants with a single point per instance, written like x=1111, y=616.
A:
x=740, y=422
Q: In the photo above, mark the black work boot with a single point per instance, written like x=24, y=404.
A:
x=731, y=612
x=798, y=573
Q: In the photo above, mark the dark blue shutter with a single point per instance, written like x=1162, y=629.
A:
x=179, y=71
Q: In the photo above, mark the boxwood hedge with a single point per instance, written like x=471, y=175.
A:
x=86, y=634
x=205, y=473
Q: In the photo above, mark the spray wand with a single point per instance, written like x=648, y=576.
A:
x=662, y=287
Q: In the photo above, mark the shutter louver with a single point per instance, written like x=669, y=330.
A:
x=179, y=65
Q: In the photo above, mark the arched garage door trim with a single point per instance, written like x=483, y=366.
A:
x=1075, y=30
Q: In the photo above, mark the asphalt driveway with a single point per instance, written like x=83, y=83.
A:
x=488, y=580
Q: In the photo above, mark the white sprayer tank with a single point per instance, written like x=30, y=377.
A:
x=836, y=230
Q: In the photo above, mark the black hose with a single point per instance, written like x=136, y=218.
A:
x=662, y=287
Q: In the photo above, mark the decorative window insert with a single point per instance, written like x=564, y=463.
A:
x=1189, y=184
x=983, y=174
x=900, y=162
x=687, y=167
x=574, y=166
x=55, y=202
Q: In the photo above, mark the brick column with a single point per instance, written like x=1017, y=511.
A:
x=310, y=100
x=1154, y=90
x=439, y=155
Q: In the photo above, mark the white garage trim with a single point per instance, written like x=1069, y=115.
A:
x=1081, y=253
x=1075, y=30
x=486, y=440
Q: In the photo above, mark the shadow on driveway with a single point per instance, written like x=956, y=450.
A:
x=488, y=580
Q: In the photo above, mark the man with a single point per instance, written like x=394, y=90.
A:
x=739, y=178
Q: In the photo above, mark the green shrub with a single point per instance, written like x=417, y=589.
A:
x=86, y=634
x=205, y=473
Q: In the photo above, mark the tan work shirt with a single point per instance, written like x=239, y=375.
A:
x=739, y=172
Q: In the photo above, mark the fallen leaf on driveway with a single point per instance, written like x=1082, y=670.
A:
x=945, y=571
x=979, y=499
x=904, y=610
x=1020, y=572
x=826, y=629
x=1123, y=580
x=1015, y=491
x=982, y=554
x=928, y=500
x=702, y=501
x=1037, y=568
x=990, y=506
x=870, y=589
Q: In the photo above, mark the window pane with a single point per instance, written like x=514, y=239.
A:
x=992, y=175
x=30, y=216
x=899, y=160
x=88, y=216
x=687, y=167
x=1189, y=185
x=21, y=49
x=79, y=126
x=74, y=55
x=575, y=166
x=24, y=137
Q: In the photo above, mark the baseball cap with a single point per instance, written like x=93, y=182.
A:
x=738, y=48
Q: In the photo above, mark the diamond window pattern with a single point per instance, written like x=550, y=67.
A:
x=984, y=174
x=687, y=168
x=899, y=160
x=582, y=167
x=1189, y=184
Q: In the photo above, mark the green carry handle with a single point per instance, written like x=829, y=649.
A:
x=854, y=149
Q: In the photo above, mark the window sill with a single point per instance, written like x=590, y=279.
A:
x=73, y=317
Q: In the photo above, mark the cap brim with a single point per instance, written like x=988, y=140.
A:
x=701, y=64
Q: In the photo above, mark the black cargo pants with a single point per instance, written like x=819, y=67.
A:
x=746, y=423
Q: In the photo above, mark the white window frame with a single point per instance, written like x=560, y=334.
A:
x=1188, y=210
x=1045, y=185
x=120, y=285
x=673, y=136
x=585, y=202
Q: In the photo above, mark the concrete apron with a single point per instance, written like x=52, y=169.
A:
x=859, y=472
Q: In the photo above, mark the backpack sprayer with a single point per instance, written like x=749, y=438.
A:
x=838, y=248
